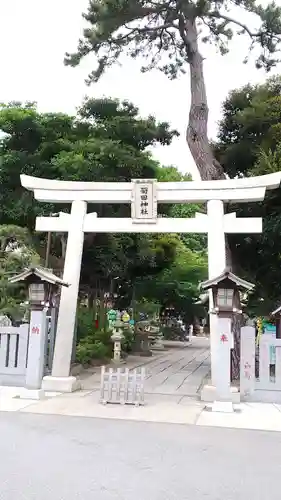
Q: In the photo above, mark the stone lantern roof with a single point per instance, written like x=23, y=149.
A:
x=227, y=275
x=39, y=272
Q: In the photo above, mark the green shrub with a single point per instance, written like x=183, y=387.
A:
x=96, y=345
x=128, y=341
x=85, y=323
x=89, y=349
x=100, y=351
x=103, y=336
x=170, y=332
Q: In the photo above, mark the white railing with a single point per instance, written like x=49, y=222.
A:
x=260, y=366
x=13, y=349
x=269, y=363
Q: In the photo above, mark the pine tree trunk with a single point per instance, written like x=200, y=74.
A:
x=197, y=130
x=197, y=139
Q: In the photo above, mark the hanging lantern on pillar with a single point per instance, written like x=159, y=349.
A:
x=226, y=290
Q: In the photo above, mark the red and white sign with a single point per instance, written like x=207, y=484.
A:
x=35, y=330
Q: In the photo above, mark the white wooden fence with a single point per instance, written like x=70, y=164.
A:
x=14, y=350
x=260, y=366
x=13, y=354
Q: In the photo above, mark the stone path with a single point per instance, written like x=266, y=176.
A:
x=179, y=372
x=171, y=396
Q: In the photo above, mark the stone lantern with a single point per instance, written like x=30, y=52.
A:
x=42, y=288
x=117, y=337
x=226, y=289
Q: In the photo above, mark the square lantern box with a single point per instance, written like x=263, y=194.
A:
x=42, y=285
x=226, y=289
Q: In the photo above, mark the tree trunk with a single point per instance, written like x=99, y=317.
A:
x=91, y=298
x=197, y=130
x=197, y=139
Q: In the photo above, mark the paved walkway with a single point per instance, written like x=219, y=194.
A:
x=159, y=408
x=179, y=372
x=171, y=396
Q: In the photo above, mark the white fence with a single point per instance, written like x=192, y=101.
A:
x=122, y=386
x=13, y=354
x=260, y=367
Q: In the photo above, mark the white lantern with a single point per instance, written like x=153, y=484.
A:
x=37, y=292
x=225, y=298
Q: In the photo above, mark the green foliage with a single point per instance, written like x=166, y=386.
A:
x=172, y=332
x=250, y=127
x=178, y=284
x=128, y=341
x=165, y=33
x=89, y=349
x=17, y=251
x=195, y=242
x=106, y=141
x=97, y=345
x=104, y=336
x=85, y=323
x=250, y=144
x=144, y=305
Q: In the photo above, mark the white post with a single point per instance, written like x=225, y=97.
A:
x=223, y=344
x=36, y=355
x=216, y=265
x=60, y=380
x=190, y=333
x=247, y=361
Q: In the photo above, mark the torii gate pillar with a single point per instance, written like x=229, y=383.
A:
x=60, y=379
x=216, y=265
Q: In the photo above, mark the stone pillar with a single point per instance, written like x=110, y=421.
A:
x=223, y=343
x=190, y=333
x=216, y=265
x=247, y=361
x=36, y=355
x=60, y=380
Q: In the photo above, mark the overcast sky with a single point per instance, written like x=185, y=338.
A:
x=35, y=34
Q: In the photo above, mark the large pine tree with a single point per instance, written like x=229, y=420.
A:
x=167, y=33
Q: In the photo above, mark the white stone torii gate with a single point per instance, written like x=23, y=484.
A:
x=215, y=223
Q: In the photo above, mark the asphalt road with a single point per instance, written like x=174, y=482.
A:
x=69, y=458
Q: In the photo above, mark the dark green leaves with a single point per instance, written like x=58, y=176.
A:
x=159, y=32
x=250, y=144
